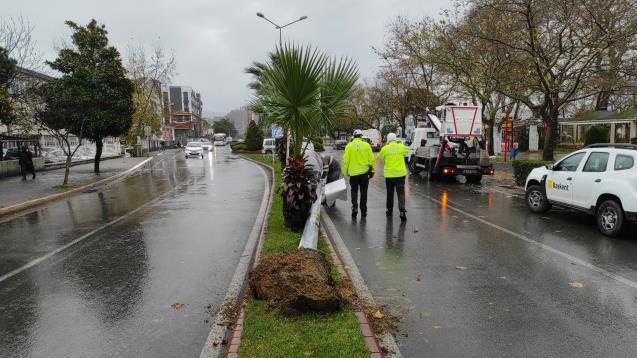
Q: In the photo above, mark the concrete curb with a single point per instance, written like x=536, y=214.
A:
x=15, y=208
x=386, y=340
x=217, y=338
x=369, y=337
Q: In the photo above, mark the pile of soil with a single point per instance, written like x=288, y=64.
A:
x=296, y=282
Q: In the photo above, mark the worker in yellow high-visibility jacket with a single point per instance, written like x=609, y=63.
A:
x=394, y=156
x=358, y=164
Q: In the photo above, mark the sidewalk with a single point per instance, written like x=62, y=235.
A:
x=13, y=190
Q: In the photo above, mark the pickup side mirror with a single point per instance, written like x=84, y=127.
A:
x=549, y=166
x=423, y=142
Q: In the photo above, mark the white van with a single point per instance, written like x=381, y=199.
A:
x=269, y=146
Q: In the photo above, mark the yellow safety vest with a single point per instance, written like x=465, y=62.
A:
x=393, y=156
x=358, y=158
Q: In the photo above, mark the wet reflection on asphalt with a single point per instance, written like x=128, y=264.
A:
x=111, y=293
x=467, y=285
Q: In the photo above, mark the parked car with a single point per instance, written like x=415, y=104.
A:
x=269, y=146
x=229, y=139
x=600, y=179
x=206, y=144
x=12, y=154
x=341, y=142
x=194, y=149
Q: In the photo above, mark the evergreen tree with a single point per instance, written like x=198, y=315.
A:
x=93, y=84
x=254, y=137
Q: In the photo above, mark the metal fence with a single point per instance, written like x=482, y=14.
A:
x=10, y=146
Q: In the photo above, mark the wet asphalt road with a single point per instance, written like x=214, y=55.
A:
x=182, y=227
x=473, y=274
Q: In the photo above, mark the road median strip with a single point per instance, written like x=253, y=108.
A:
x=262, y=332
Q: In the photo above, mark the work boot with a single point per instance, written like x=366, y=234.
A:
x=363, y=214
x=354, y=213
x=403, y=216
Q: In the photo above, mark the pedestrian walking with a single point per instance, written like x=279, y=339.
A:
x=358, y=164
x=394, y=156
x=513, y=152
x=25, y=160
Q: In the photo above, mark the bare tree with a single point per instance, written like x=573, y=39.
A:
x=555, y=45
x=16, y=36
x=148, y=70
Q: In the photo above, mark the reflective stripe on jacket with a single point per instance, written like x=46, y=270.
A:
x=358, y=158
x=393, y=156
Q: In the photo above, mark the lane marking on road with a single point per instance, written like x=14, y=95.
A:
x=528, y=240
x=87, y=235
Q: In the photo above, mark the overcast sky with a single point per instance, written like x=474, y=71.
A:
x=215, y=40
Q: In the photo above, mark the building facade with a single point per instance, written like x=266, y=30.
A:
x=622, y=126
x=182, y=113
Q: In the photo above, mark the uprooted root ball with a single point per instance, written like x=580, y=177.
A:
x=296, y=282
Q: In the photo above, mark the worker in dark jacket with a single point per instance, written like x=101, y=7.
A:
x=25, y=159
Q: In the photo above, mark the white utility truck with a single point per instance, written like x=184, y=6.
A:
x=375, y=138
x=449, y=143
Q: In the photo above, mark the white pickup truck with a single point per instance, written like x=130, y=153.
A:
x=449, y=144
x=600, y=179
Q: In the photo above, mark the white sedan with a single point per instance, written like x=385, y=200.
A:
x=206, y=144
x=194, y=149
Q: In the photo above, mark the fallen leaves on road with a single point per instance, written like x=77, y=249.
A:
x=437, y=327
x=177, y=305
x=378, y=314
x=576, y=284
x=460, y=268
x=503, y=277
x=416, y=229
x=418, y=278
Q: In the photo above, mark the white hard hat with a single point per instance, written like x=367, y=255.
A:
x=391, y=137
x=358, y=132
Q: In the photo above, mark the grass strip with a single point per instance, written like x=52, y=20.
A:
x=272, y=334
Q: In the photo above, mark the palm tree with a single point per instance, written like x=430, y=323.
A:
x=303, y=91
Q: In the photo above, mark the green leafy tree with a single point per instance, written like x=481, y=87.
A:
x=305, y=92
x=254, y=137
x=224, y=126
x=94, y=85
x=7, y=71
x=388, y=128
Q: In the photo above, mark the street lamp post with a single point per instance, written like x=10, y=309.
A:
x=279, y=27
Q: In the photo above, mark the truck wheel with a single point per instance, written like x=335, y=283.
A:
x=413, y=168
x=474, y=179
x=536, y=200
x=610, y=218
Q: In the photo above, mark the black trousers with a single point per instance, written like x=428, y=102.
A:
x=362, y=182
x=27, y=168
x=399, y=185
